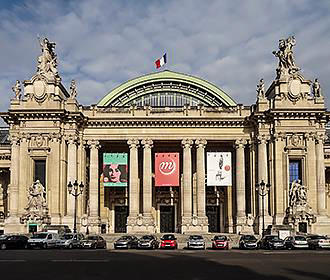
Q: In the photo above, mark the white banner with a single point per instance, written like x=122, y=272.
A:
x=219, y=169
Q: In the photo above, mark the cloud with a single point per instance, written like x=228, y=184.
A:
x=104, y=43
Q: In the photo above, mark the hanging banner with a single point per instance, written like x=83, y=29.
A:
x=166, y=169
x=219, y=171
x=115, y=169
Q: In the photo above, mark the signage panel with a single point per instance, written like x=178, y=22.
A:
x=115, y=169
x=166, y=169
x=219, y=169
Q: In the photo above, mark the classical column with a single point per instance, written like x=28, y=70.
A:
x=263, y=170
x=72, y=170
x=320, y=171
x=311, y=178
x=53, y=176
x=14, y=176
x=24, y=174
x=200, y=144
x=240, y=178
x=147, y=177
x=187, y=178
x=94, y=178
x=133, y=178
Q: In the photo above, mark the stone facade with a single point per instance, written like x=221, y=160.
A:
x=287, y=124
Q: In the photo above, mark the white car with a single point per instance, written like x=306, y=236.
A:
x=296, y=242
x=43, y=240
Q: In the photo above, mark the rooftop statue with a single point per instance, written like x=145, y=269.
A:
x=47, y=61
x=17, y=90
x=73, y=89
x=261, y=89
x=316, y=88
x=286, y=64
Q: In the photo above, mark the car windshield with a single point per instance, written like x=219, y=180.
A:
x=300, y=238
x=168, y=237
x=220, y=238
x=40, y=236
x=67, y=236
x=147, y=237
x=3, y=237
x=195, y=237
x=249, y=238
x=92, y=237
x=125, y=238
x=273, y=237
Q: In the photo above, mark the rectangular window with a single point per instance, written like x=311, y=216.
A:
x=40, y=171
x=294, y=170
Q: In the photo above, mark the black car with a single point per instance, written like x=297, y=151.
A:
x=126, y=242
x=248, y=242
x=271, y=242
x=13, y=242
x=148, y=242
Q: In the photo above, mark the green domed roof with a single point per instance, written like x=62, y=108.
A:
x=167, y=81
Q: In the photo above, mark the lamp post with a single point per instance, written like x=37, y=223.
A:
x=75, y=190
x=262, y=188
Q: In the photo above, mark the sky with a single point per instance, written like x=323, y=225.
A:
x=101, y=44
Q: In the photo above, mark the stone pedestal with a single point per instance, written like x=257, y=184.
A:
x=194, y=224
x=141, y=224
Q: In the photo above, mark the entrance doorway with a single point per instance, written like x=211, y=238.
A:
x=166, y=218
x=121, y=214
x=213, y=214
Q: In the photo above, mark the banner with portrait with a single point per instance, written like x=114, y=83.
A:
x=219, y=169
x=115, y=169
x=167, y=169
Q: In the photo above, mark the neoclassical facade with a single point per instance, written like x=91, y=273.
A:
x=52, y=140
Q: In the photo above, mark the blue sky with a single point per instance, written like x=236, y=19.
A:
x=104, y=43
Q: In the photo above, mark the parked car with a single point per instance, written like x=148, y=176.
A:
x=296, y=242
x=318, y=241
x=70, y=240
x=168, y=241
x=248, y=242
x=126, y=242
x=220, y=242
x=271, y=242
x=148, y=242
x=13, y=242
x=94, y=242
x=43, y=240
x=196, y=242
x=60, y=229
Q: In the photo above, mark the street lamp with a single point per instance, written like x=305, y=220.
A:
x=75, y=190
x=262, y=188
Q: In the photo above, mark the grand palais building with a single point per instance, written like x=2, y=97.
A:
x=166, y=152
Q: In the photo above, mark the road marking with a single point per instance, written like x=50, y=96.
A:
x=79, y=260
x=12, y=260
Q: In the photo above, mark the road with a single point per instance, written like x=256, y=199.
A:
x=159, y=264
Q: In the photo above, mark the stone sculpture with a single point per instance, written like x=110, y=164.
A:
x=17, y=90
x=286, y=65
x=261, y=89
x=47, y=61
x=73, y=89
x=316, y=88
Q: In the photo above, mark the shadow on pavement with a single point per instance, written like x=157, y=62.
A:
x=313, y=275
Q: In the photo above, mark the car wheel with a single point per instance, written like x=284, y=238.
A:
x=3, y=246
x=94, y=246
x=70, y=246
x=25, y=246
x=45, y=246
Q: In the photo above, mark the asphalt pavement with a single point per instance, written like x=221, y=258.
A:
x=164, y=264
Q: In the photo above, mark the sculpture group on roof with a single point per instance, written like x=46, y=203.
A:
x=47, y=61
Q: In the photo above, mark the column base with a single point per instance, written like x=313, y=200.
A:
x=141, y=224
x=268, y=221
x=244, y=225
x=13, y=225
x=94, y=225
x=194, y=224
x=56, y=219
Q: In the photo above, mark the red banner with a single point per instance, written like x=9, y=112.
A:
x=167, y=169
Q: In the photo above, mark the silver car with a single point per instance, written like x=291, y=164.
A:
x=196, y=242
x=43, y=240
x=296, y=242
x=318, y=241
x=70, y=240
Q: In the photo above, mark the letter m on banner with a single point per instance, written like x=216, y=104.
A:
x=167, y=169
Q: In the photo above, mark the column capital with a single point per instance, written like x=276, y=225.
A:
x=240, y=143
x=93, y=144
x=200, y=143
x=147, y=143
x=14, y=140
x=187, y=143
x=133, y=143
x=320, y=138
x=24, y=136
x=279, y=136
x=263, y=138
x=55, y=137
x=71, y=139
x=310, y=136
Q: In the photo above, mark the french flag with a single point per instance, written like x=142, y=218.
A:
x=161, y=61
